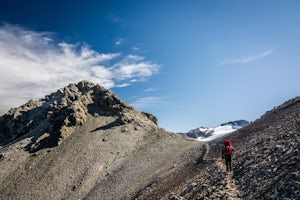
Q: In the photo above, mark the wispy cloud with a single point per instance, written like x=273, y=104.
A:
x=248, y=59
x=151, y=90
x=135, y=48
x=119, y=42
x=145, y=102
x=133, y=68
x=116, y=19
x=34, y=64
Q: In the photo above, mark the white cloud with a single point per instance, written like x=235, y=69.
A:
x=119, y=42
x=134, y=68
x=151, y=89
x=123, y=85
x=115, y=19
x=133, y=81
x=146, y=102
x=135, y=48
x=248, y=59
x=34, y=64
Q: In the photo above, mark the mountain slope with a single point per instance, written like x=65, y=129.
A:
x=83, y=142
x=52, y=119
x=266, y=161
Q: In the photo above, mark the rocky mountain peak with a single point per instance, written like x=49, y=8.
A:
x=237, y=123
x=206, y=134
x=52, y=119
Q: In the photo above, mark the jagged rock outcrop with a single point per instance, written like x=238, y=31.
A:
x=82, y=142
x=151, y=117
x=51, y=120
x=237, y=123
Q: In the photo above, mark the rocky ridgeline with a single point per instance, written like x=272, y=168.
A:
x=272, y=169
x=266, y=164
x=51, y=120
x=240, y=123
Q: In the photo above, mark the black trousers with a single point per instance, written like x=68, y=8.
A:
x=228, y=161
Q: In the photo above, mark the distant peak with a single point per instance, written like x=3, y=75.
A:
x=236, y=123
x=206, y=134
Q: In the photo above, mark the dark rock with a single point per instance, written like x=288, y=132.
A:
x=151, y=117
x=173, y=197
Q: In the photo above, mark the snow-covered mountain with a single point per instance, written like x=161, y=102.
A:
x=207, y=134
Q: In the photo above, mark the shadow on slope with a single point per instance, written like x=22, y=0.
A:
x=117, y=122
x=31, y=124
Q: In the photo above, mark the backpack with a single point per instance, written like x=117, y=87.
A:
x=227, y=147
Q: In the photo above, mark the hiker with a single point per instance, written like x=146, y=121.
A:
x=227, y=150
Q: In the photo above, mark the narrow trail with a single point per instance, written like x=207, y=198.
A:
x=205, y=179
x=231, y=190
x=212, y=181
x=206, y=152
x=230, y=187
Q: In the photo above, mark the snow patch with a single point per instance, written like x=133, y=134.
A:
x=218, y=132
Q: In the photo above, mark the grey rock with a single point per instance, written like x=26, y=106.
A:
x=187, y=189
x=58, y=115
x=224, y=197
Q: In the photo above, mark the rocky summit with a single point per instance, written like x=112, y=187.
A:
x=82, y=142
x=49, y=121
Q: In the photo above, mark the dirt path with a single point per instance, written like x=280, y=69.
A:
x=211, y=180
x=205, y=157
x=174, y=178
x=231, y=189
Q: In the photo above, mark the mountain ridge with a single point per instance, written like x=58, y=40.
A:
x=59, y=113
x=102, y=148
x=83, y=142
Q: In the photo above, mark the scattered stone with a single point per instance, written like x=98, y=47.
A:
x=188, y=189
x=173, y=197
x=266, y=162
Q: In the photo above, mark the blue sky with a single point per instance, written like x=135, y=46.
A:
x=190, y=63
